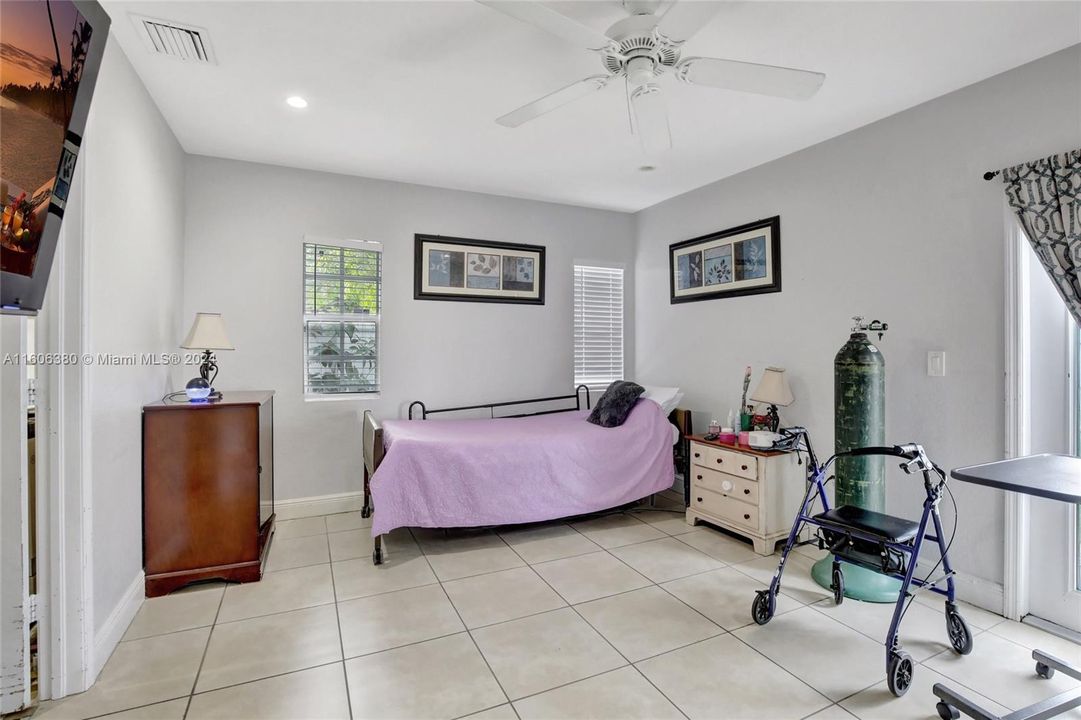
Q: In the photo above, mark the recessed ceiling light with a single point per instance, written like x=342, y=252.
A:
x=647, y=168
x=297, y=102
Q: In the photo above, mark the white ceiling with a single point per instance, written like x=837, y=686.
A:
x=409, y=91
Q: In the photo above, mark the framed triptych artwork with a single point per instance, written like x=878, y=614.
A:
x=744, y=260
x=448, y=268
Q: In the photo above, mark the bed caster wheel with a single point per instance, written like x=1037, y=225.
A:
x=377, y=556
x=947, y=712
x=763, y=607
x=957, y=629
x=838, y=585
x=1045, y=671
x=899, y=673
x=366, y=512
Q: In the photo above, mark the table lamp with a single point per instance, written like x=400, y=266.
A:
x=207, y=334
x=773, y=389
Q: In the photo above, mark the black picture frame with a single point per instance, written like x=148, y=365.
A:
x=771, y=282
x=423, y=290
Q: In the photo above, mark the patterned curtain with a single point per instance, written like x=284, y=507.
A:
x=1046, y=195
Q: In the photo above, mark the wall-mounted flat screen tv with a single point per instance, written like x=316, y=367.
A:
x=50, y=53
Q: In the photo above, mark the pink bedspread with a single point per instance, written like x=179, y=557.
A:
x=467, y=473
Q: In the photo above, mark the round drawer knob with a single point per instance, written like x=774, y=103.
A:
x=746, y=491
x=698, y=455
x=699, y=499
x=746, y=516
x=719, y=461
x=727, y=485
x=743, y=467
x=699, y=477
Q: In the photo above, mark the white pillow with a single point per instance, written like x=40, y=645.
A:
x=667, y=397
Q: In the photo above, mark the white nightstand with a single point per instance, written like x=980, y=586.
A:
x=753, y=493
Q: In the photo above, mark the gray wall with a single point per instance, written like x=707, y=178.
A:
x=244, y=229
x=891, y=221
x=132, y=233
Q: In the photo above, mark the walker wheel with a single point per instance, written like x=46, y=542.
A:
x=947, y=712
x=377, y=556
x=838, y=586
x=1045, y=671
x=763, y=606
x=957, y=629
x=899, y=673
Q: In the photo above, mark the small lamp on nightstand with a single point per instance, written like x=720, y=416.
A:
x=773, y=389
x=207, y=334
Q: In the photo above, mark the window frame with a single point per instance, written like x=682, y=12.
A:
x=305, y=318
x=611, y=267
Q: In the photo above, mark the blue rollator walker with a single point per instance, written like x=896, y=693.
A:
x=876, y=541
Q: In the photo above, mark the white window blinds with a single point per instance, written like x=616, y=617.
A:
x=342, y=311
x=598, y=325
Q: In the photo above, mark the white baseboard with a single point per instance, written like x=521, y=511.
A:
x=979, y=592
x=106, y=639
x=318, y=505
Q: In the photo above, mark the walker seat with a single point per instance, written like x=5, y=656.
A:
x=887, y=527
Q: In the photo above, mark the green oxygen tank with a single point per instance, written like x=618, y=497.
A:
x=859, y=420
x=859, y=398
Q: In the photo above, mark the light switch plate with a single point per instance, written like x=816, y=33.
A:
x=936, y=363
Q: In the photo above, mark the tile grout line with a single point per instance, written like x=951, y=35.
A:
x=601, y=635
x=206, y=649
x=462, y=621
x=341, y=638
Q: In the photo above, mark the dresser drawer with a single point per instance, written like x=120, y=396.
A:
x=725, y=508
x=725, y=484
x=700, y=454
x=728, y=461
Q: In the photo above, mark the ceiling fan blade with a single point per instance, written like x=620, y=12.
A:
x=750, y=77
x=551, y=101
x=651, y=119
x=556, y=23
x=684, y=19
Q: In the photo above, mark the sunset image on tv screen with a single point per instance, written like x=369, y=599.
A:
x=43, y=47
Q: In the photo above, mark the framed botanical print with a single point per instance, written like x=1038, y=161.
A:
x=449, y=268
x=744, y=260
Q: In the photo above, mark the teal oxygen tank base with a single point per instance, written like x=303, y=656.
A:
x=860, y=583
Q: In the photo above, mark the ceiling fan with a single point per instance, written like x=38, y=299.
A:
x=642, y=49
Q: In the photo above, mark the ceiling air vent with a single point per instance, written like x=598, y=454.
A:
x=183, y=42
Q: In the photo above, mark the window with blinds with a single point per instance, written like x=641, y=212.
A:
x=598, y=325
x=342, y=305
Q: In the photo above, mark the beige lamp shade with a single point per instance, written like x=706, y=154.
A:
x=773, y=388
x=207, y=333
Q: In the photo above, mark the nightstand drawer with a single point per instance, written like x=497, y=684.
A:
x=725, y=508
x=716, y=458
x=725, y=484
x=700, y=454
x=735, y=463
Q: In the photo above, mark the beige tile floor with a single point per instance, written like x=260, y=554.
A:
x=635, y=615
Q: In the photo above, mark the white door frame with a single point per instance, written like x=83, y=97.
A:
x=1015, y=590
x=15, y=587
x=65, y=578
x=1016, y=584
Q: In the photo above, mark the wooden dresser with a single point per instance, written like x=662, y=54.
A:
x=208, y=489
x=753, y=493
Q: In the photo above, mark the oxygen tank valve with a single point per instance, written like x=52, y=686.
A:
x=875, y=326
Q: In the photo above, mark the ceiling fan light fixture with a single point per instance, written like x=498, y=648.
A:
x=640, y=70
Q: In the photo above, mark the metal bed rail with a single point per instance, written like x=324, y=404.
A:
x=491, y=407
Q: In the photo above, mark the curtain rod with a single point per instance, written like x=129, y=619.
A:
x=991, y=174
